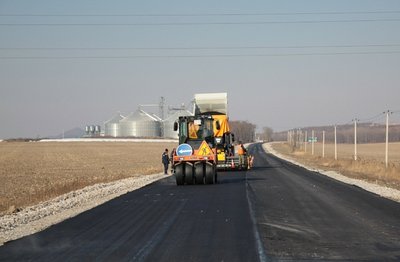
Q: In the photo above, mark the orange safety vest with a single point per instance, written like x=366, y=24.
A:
x=241, y=151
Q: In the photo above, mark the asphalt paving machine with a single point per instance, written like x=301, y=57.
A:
x=205, y=142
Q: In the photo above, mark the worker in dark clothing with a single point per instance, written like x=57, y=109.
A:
x=173, y=153
x=165, y=161
x=171, y=159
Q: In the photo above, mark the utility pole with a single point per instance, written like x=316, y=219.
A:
x=312, y=142
x=323, y=144
x=335, y=144
x=355, y=138
x=161, y=107
x=293, y=140
x=298, y=138
x=301, y=139
x=161, y=112
x=387, y=140
x=305, y=142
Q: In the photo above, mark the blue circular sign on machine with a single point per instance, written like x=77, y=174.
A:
x=184, y=150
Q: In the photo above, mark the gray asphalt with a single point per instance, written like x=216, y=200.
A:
x=275, y=212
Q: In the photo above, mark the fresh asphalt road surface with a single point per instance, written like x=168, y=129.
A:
x=274, y=212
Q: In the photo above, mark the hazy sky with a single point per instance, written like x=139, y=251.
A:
x=284, y=64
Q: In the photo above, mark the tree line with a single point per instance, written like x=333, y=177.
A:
x=245, y=132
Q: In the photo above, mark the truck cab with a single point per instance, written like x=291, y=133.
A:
x=193, y=130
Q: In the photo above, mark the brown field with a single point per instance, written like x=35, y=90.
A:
x=34, y=172
x=370, y=164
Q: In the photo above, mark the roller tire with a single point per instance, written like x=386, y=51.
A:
x=210, y=174
x=189, y=179
x=179, y=175
x=199, y=173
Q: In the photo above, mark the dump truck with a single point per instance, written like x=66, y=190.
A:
x=205, y=141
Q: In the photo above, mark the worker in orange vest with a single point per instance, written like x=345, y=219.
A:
x=242, y=152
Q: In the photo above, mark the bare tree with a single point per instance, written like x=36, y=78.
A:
x=266, y=134
x=244, y=131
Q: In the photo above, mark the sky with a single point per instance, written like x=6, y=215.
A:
x=284, y=64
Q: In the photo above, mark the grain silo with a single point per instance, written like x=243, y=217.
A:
x=140, y=124
x=168, y=123
x=111, y=127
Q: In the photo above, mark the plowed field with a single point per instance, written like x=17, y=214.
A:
x=33, y=172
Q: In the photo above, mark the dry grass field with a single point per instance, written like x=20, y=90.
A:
x=34, y=172
x=370, y=164
x=375, y=152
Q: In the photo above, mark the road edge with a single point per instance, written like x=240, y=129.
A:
x=36, y=218
x=382, y=191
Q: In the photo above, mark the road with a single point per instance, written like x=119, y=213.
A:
x=274, y=212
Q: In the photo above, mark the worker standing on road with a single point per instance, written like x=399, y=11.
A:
x=173, y=153
x=165, y=161
x=241, y=152
x=250, y=161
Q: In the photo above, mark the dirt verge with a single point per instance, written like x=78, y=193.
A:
x=378, y=186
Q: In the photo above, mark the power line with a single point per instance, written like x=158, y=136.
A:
x=193, y=56
x=205, y=23
x=348, y=123
x=372, y=118
x=365, y=120
x=199, y=48
x=205, y=14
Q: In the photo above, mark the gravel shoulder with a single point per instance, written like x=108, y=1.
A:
x=383, y=191
x=36, y=218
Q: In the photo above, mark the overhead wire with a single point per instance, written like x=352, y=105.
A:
x=202, y=23
x=206, y=23
x=201, y=47
x=367, y=120
x=204, y=14
x=199, y=56
x=373, y=118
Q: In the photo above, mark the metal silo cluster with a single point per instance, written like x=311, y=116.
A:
x=136, y=124
x=111, y=127
x=140, y=124
x=143, y=124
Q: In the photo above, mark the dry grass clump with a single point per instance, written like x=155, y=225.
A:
x=34, y=172
x=369, y=166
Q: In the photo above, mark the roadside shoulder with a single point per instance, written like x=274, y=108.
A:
x=383, y=191
x=37, y=218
